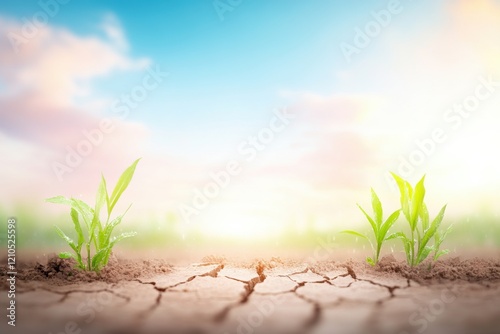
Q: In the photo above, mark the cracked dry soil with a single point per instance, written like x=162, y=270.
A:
x=264, y=296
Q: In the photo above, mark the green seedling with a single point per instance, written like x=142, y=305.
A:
x=98, y=235
x=416, y=245
x=379, y=227
x=438, y=240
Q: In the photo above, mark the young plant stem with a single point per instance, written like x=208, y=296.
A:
x=412, y=248
x=88, y=257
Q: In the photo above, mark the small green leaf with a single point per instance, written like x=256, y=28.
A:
x=97, y=259
x=65, y=255
x=357, y=234
x=78, y=229
x=441, y=253
x=114, y=241
x=101, y=197
x=59, y=200
x=105, y=236
x=121, y=185
x=122, y=236
x=432, y=229
x=391, y=236
x=370, y=220
x=386, y=226
x=68, y=240
x=440, y=237
x=377, y=208
x=416, y=202
x=406, y=244
x=370, y=261
x=438, y=240
x=405, y=191
x=422, y=255
x=424, y=217
x=85, y=211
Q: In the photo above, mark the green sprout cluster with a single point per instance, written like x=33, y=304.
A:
x=98, y=234
x=422, y=230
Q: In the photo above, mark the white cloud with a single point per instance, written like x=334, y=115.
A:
x=114, y=30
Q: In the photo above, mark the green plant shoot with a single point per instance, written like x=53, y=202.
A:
x=98, y=234
x=422, y=230
x=379, y=227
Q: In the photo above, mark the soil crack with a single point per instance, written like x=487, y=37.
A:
x=212, y=273
x=316, y=312
x=249, y=289
x=350, y=271
x=66, y=294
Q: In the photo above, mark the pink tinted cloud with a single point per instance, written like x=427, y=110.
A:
x=38, y=116
x=340, y=161
x=45, y=75
x=339, y=153
x=58, y=65
x=332, y=110
x=329, y=148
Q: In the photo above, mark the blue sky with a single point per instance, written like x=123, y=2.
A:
x=357, y=117
x=217, y=67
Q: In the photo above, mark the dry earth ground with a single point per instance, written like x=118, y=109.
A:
x=260, y=296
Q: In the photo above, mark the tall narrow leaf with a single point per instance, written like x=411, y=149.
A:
x=387, y=225
x=432, y=229
x=370, y=220
x=424, y=217
x=101, y=199
x=78, y=228
x=405, y=192
x=377, y=208
x=121, y=185
x=416, y=202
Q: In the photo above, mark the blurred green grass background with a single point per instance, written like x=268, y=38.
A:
x=35, y=231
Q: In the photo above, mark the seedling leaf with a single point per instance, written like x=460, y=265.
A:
x=377, y=208
x=59, y=200
x=101, y=199
x=102, y=195
x=391, y=236
x=424, y=216
x=357, y=234
x=78, y=228
x=405, y=194
x=370, y=220
x=432, y=229
x=441, y=253
x=98, y=258
x=68, y=240
x=122, y=236
x=416, y=202
x=387, y=225
x=406, y=244
x=65, y=255
x=422, y=255
x=84, y=210
x=121, y=185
